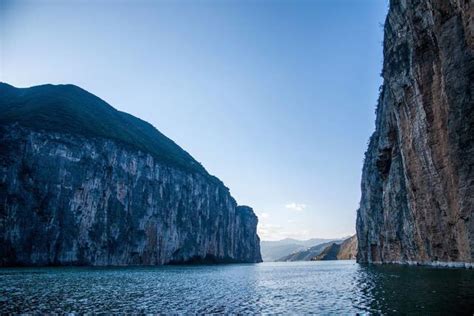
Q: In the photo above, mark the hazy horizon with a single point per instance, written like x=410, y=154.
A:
x=276, y=100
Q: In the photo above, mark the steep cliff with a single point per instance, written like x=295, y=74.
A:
x=84, y=184
x=418, y=178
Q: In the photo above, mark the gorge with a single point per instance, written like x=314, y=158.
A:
x=102, y=212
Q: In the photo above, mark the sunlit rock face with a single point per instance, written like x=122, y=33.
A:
x=418, y=178
x=68, y=199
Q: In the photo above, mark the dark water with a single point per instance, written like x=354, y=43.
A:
x=308, y=287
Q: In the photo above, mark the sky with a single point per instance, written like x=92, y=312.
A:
x=274, y=97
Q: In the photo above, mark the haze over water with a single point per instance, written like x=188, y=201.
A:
x=332, y=287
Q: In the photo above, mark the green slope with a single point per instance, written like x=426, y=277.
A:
x=70, y=109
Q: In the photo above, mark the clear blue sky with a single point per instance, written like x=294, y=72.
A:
x=276, y=98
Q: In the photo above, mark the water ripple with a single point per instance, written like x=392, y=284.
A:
x=306, y=287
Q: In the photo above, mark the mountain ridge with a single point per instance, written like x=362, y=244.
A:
x=273, y=250
x=70, y=109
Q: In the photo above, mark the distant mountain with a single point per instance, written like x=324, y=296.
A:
x=347, y=250
x=328, y=253
x=274, y=250
x=308, y=253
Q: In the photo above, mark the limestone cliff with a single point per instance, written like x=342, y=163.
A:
x=84, y=184
x=418, y=178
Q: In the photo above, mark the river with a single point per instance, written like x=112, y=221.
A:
x=325, y=287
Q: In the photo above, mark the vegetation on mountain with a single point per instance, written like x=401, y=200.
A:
x=70, y=109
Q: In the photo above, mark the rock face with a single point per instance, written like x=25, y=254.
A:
x=347, y=250
x=418, y=178
x=72, y=198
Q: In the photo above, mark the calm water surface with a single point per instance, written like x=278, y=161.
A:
x=300, y=287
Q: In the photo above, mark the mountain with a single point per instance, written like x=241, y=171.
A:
x=417, y=203
x=274, y=250
x=308, y=253
x=84, y=184
x=72, y=110
x=347, y=250
x=328, y=253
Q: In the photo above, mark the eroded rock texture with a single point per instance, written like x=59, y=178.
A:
x=418, y=178
x=71, y=199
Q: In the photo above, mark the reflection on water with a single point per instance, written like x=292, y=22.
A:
x=304, y=287
x=406, y=289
